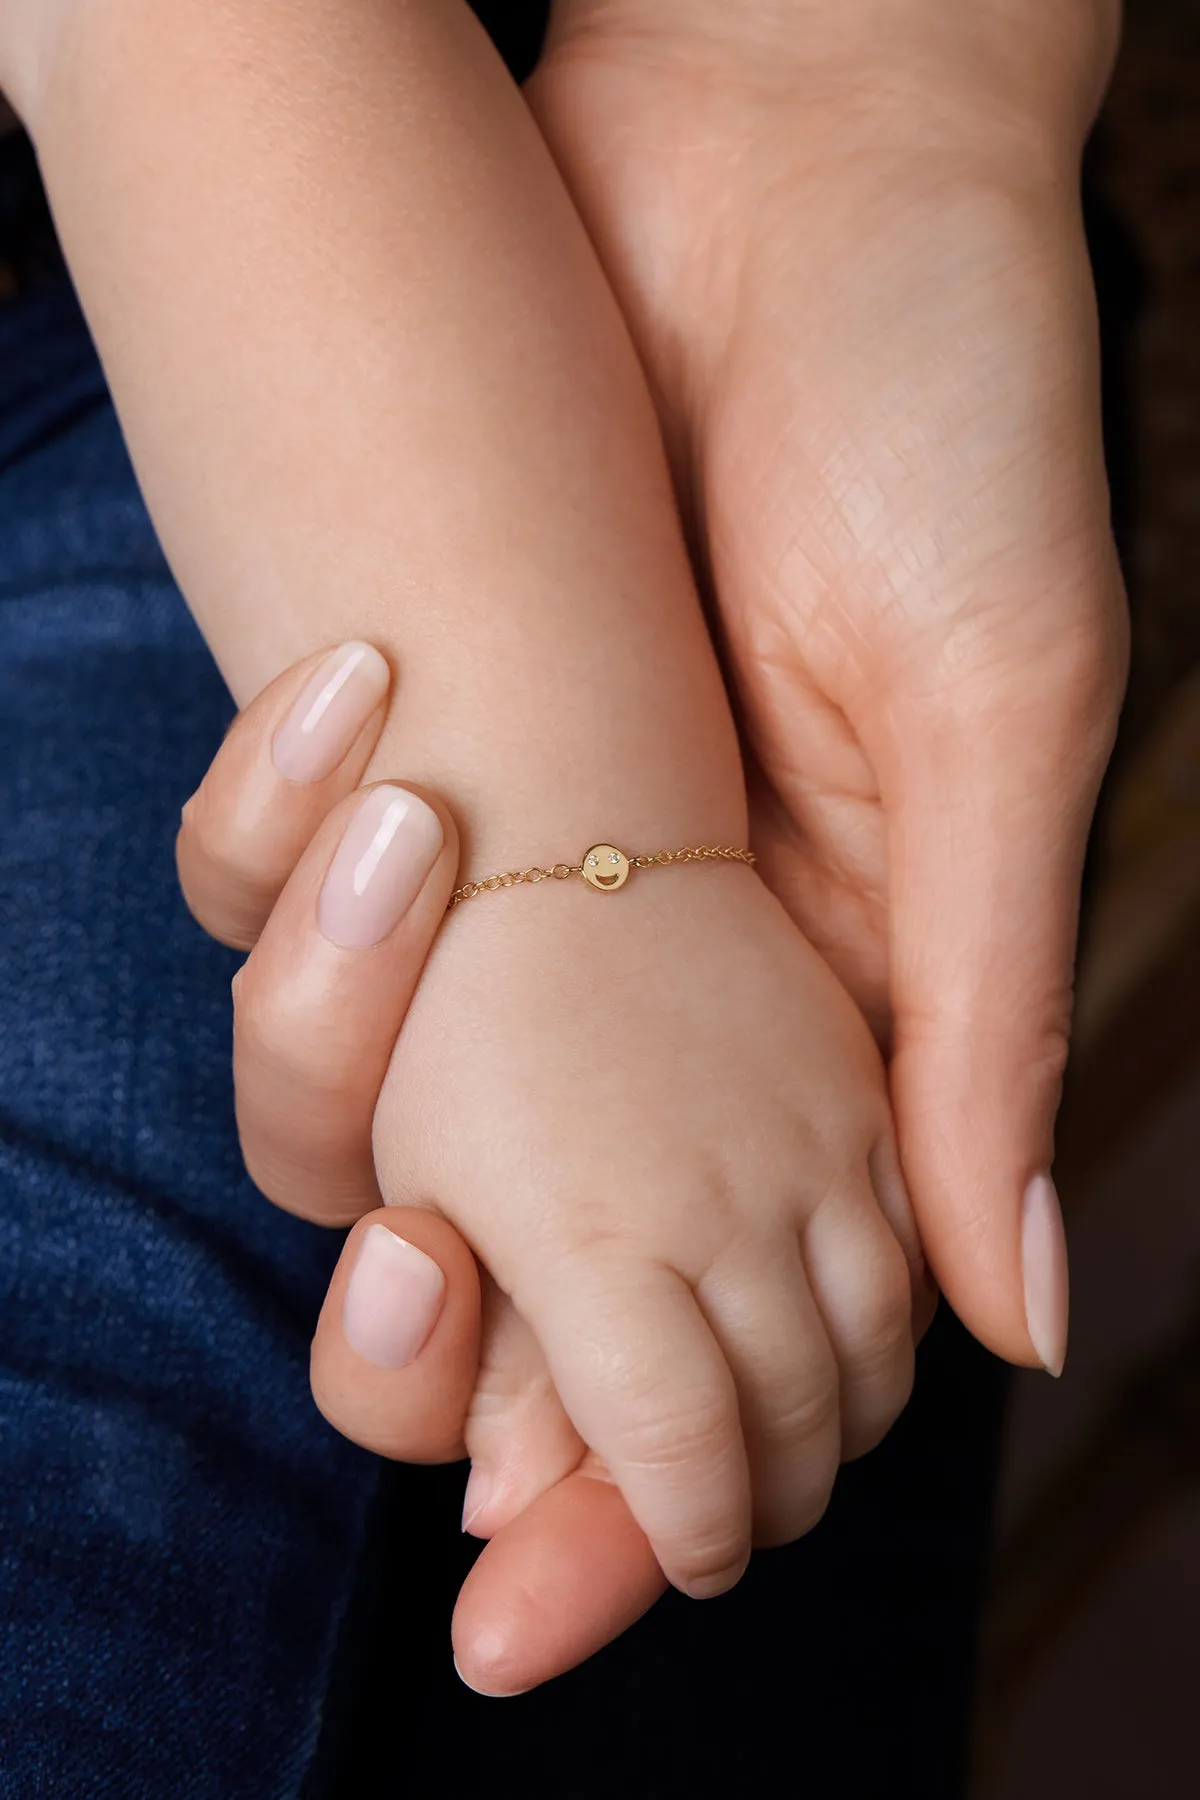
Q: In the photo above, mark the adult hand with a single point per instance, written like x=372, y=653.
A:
x=396, y=1360
x=849, y=246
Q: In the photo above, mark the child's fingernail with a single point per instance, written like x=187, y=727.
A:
x=1044, y=1264
x=325, y=721
x=476, y=1495
x=393, y=1299
x=379, y=868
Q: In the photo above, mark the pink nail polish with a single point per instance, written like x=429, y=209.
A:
x=393, y=1299
x=379, y=868
x=335, y=705
x=1044, y=1264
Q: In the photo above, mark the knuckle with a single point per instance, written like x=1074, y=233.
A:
x=283, y=1177
x=884, y=1382
x=269, y=1026
x=663, y=1440
x=206, y=828
x=691, y=1450
x=883, y=1361
x=228, y=874
x=1052, y=1048
x=810, y=1414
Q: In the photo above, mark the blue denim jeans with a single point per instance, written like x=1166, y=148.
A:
x=179, y=1527
x=206, y=1593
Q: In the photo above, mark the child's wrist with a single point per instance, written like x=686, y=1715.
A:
x=544, y=802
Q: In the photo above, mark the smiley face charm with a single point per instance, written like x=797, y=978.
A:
x=605, y=867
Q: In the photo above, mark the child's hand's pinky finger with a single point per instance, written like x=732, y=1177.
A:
x=396, y=1350
x=295, y=751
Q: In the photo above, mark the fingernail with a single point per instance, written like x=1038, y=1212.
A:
x=379, y=868
x=393, y=1299
x=327, y=718
x=1044, y=1263
x=476, y=1495
x=711, y=1587
x=488, y=1693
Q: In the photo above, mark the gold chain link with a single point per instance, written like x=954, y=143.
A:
x=658, y=859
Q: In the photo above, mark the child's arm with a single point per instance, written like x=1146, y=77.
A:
x=374, y=385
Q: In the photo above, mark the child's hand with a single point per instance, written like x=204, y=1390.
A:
x=723, y=1140
x=654, y=1116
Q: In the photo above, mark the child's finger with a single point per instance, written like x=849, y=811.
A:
x=295, y=751
x=319, y=1003
x=647, y=1386
x=397, y=1343
x=762, y=1312
x=862, y=1283
x=555, y=1585
x=518, y=1435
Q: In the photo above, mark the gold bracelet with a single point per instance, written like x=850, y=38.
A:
x=603, y=867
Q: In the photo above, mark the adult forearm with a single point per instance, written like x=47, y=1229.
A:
x=374, y=385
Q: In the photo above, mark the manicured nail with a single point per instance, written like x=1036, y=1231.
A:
x=488, y=1693
x=325, y=721
x=393, y=1299
x=476, y=1495
x=379, y=868
x=1044, y=1262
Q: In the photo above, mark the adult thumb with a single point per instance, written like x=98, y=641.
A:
x=991, y=790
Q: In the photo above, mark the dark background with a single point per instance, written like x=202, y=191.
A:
x=1090, y=1660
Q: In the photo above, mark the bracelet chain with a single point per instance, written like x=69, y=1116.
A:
x=658, y=859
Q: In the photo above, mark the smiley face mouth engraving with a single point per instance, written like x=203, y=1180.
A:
x=605, y=867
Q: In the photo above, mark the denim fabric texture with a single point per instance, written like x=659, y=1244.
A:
x=178, y=1526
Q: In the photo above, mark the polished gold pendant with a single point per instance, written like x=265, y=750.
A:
x=605, y=867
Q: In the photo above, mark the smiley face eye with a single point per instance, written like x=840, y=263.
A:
x=592, y=861
x=615, y=857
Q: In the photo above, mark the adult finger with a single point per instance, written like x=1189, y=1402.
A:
x=567, y=1568
x=297, y=749
x=397, y=1344
x=990, y=794
x=319, y=1002
x=553, y=1586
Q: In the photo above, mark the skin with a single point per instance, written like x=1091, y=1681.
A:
x=1012, y=684
x=864, y=302
x=570, y=1570
x=332, y=446
x=905, y=689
